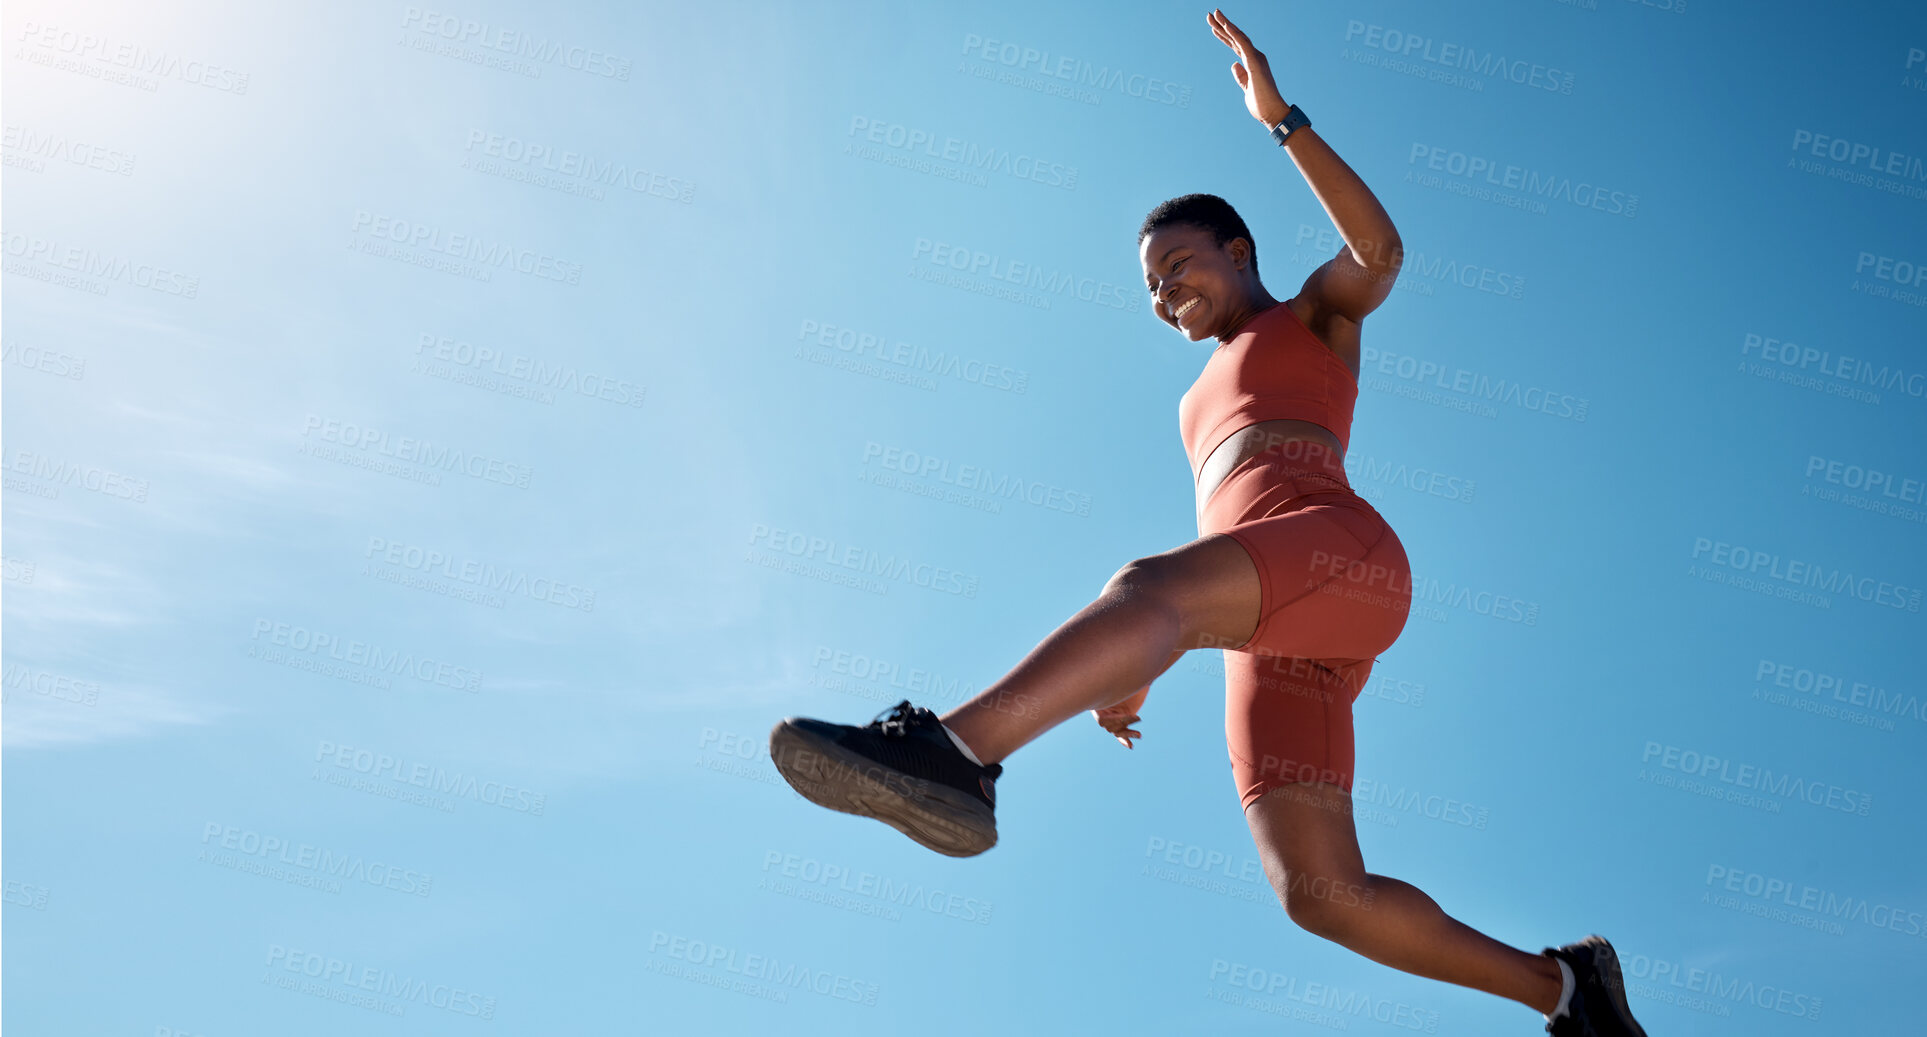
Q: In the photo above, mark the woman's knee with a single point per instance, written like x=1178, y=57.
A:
x=1210, y=586
x=1155, y=577
x=1305, y=837
x=1325, y=906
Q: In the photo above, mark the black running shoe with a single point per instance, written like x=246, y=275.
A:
x=1598, y=1007
x=901, y=769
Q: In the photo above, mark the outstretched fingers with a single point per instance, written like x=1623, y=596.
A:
x=1237, y=67
x=1250, y=57
x=1217, y=21
x=1233, y=36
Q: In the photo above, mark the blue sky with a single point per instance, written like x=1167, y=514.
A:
x=439, y=442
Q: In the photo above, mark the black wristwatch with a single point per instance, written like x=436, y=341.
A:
x=1293, y=121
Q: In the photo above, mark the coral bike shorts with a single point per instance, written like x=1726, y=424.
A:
x=1336, y=589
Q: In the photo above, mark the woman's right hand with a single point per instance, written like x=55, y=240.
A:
x=1117, y=719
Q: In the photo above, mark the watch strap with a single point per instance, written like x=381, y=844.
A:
x=1293, y=121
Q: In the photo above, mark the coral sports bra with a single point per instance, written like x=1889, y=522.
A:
x=1274, y=368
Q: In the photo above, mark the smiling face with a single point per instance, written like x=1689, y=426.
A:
x=1197, y=285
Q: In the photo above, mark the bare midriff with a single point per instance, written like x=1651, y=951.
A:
x=1255, y=439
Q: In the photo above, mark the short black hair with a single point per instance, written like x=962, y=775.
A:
x=1207, y=211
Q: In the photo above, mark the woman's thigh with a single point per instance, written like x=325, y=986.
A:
x=1334, y=582
x=1335, y=591
x=1319, y=581
x=1211, y=584
x=1288, y=720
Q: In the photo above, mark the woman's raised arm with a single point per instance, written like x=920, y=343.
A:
x=1359, y=278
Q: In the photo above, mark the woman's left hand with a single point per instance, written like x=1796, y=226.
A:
x=1251, y=71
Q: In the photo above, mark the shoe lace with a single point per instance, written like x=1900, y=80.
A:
x=897, y=720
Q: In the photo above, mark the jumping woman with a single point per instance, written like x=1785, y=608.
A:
x=1293, y=575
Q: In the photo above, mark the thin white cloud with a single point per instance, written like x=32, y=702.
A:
x=30, y=720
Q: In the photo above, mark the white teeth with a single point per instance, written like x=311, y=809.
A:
x=1178, y=314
